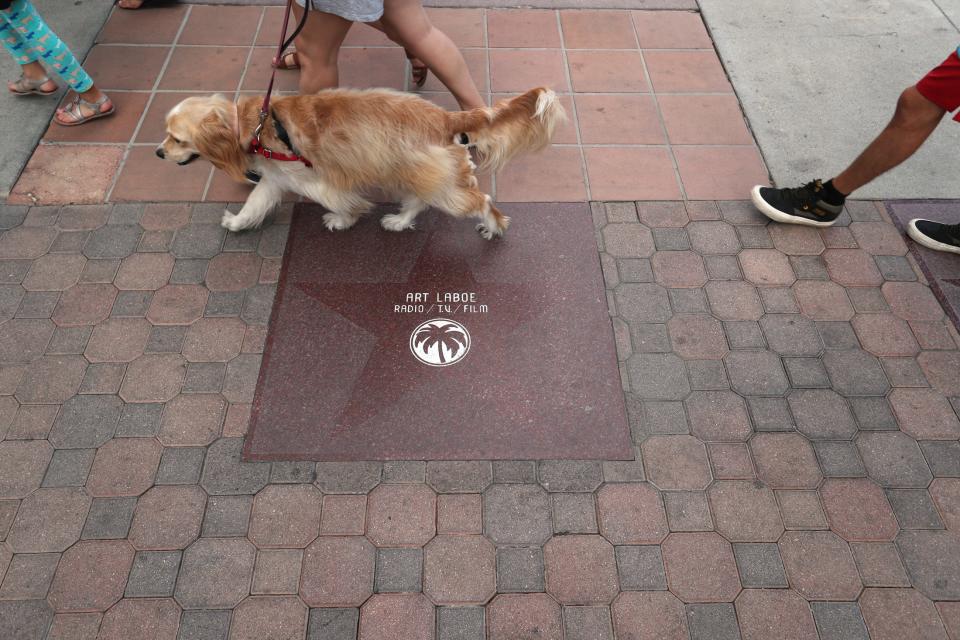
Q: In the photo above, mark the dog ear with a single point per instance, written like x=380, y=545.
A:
x=217, y=142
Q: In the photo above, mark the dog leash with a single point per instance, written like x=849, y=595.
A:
x=256, y=146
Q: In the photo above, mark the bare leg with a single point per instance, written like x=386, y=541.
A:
x=406, y=23
x=318, y=47
x=912, y=123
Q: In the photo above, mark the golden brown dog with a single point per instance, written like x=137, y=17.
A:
x=359, y=141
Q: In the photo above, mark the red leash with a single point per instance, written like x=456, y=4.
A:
x=256, y=147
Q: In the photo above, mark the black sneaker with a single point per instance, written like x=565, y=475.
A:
x=803, y=205
x=935, y=235
x=252, y=176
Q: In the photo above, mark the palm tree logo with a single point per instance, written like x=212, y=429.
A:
x=440, y=342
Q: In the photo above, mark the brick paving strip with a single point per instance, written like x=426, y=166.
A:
x=792, y=395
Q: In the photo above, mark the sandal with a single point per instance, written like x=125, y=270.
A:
x=284, y=65
x=73, y=110
x=24, y=86
x=418, y=70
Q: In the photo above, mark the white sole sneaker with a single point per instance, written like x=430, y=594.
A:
x=927, y=241
x=779, y=216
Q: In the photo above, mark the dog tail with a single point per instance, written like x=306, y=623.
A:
x=514, y=126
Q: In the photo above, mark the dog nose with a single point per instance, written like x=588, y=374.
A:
x=160, y=153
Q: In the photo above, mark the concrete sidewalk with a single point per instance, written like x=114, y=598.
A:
x=818, y=80
x=25, y=119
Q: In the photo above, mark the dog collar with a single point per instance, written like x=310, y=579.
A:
x=257, y=148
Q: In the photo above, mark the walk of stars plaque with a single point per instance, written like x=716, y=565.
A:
x=435, y=344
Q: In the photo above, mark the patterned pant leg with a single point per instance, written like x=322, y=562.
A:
x=44, y=45
x=22, y=53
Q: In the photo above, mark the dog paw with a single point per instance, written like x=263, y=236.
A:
x=338, y=221
x=487, y=232
x=395, y=222
x=231, y=222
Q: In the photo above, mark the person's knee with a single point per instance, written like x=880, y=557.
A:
x=915, y=111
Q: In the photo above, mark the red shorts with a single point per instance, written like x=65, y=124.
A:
x=942, y=85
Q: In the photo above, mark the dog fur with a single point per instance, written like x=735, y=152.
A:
x=360, y=141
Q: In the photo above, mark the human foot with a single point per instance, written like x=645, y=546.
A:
x=24, y=85
x=418, y=70
x=288, y=61
x=79, y=111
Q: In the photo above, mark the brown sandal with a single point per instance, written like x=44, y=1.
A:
x=418, y=70
x=24, y=86
x=283, y=65
x=73, y=110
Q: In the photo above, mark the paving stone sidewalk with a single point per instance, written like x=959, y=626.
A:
x=793, y=398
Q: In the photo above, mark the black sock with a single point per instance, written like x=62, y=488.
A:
x=831, y=195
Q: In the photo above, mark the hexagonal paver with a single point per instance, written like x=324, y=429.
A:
x=791, y=334
x=144, y=271
x=177, y=304
x=49, y=520
x=24, y=340
x=26, y=243
x=734, y=300
x=124, y=467
x=215, y=573
x=925, y=414
x=580, y=569
x=896, y=614
x=912, y=301
x=796, y=240
x=285, y=516
x=524, y=616
x=338, y=572
x=713, y=237
x=517, y=514
x=932, y=559
x=628, y=240
x=396, y=615
x=570, y=475
x=823, y=300
x=756, y=373
x=893, y=459
x=820, y=566
x=855, y=373
x=214, y=340
x=168, y=517
x=857, y=509
x=942, y=369
x=234, y=271
x=118, y=340
x=348, y=477
x=879, y=238
x=649, y=615
x=785, y=461
x=192, y=420
x=86, y=422
x=401, y=515
x=274, y=617
x=631, y=514
x=643, y=302
x=700, y=567
x=822, y=414
x=141, y=617
x=658, y=376
x=884, y=334
x=91, y=575
x=676, y=462
x=946, y=494
x=718, y=416
x=51, y=379
x=459, y=570
x=84, y=304
x=761, y=611
x=22, y=465
x=225, y=474
x=679, y=269
x=745, y=511
x=697, y=337
x=154, y=378
x=766, y=267
x=852, y=268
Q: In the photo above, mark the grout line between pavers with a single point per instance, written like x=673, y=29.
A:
x=146, y=109
x=573, y=102
x=656, y=104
